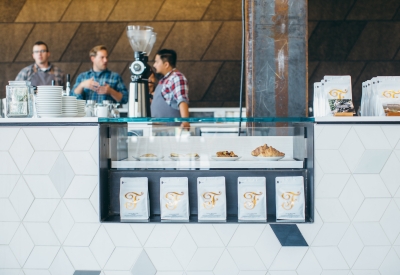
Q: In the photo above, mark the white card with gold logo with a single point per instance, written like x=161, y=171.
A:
x=290, y=199
x=252, y=198
x=174, y=198
x=211, y=198
x=134, y=199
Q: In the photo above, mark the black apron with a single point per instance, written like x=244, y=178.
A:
x=41, y=78
x=160, y=108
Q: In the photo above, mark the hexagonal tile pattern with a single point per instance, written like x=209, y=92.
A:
x=102, y=247
x=184, y=247
x=331, y=137
x=247, y=235
x=81, y=210
x=246, y=258
x=142, y=231
x=390, y=174
x=122, y=235
x=329, y=258
x=390, y=223
x=372, y=137
x=372, y=186
x=351, y=246
x=309, y=265
x=351, y=198
x=204, y=235
x=163, y=259
x=226, y=265
x=81, y=138
x=289, y=258
x=143, y=265
x=41, y=139
x=41, y=210
x=41, y=233
x=41, y=187
x=331, y=210
x=371, y=210
x=371, y=257
x=331, y=162
x=7, y=184
x=8, y=166
x=21, y=150
x=7, y=259
x=61, y=174
x=352, y=149
x=81, y=234
x=7, y=230
x=41, y=162
x=331, y=185
x=21, y=245
x=392, y=134
x=372, y=161
x=61, y=135
x=163, y=235
x=81, y=187
x=21, y=198
x=7, y=213
x=268, y=246
x=391, y=264
x=123, y=258
x=82, y=163
x=330, y=234
x=81, y=258
x=7, y=137
x=61, y=221
x=371, y=233
x=61, y=265
x=225, y=231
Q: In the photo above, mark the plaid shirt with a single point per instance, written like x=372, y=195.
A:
x=104, y=77
x=175, y=88
x=27, y=73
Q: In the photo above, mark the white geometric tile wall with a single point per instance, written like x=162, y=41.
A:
x=49, y=224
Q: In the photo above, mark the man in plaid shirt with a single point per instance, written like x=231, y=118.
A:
x=99, y=83
x=42, y=72
x=171, y=97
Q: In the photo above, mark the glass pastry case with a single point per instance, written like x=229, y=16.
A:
x=211, y=147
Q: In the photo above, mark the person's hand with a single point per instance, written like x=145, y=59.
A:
x=104, y=90
x=91, y=84
x=185, y=125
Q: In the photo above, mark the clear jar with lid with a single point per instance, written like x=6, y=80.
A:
x=89, y=108
x=20, y=99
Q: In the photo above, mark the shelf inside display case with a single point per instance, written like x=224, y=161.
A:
x=206, y=164
x=154, y=148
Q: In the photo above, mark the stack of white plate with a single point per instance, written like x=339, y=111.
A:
x=48, y=101
x=81, y=107
x=69, y=106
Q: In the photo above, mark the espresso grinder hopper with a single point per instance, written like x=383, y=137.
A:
x=142, y=39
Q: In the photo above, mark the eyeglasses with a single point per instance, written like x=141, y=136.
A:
x=41, y=51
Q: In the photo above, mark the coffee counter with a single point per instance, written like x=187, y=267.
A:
x=49, y=209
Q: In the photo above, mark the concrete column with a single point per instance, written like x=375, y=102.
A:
x=276, y=58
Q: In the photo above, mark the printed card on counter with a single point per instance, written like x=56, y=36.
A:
x=134, y=199
x=174, y=198
x=290, y=199
x=211, y=198
x=252, y=198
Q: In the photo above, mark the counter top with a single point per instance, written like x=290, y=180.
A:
x=50, y=120
x=357, y=119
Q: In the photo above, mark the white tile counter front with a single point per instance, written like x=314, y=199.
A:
x=49, y=213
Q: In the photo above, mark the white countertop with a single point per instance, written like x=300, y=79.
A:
x=50, y=120
x=356, y=119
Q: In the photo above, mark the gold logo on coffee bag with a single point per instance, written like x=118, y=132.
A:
x=338, y=93
x=210, y=199
x=134, y=198
x=173, y=199
x=290, y=198
x=390, y=94
x=252, y=198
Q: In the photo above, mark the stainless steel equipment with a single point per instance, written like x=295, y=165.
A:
x=142, y=39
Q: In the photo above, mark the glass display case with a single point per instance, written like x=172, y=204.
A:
x=155, y=148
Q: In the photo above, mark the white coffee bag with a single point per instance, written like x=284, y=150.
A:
x=290, y=199
x=134, y=199
x=211, y=197
x=252, y=198
x=174, y=198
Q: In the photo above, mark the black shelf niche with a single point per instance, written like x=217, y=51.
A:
x=109, y=192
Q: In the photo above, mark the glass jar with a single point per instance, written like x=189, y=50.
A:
x=20, y=99
x=89, y=108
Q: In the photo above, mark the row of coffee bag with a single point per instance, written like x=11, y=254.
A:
x=333, y=96
x=381, y=96
x=211, y=197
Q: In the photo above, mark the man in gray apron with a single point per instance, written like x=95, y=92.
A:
x=171, y=97
x=41, y=72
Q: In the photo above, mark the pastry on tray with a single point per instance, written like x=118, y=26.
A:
x=266, y=151
x=189, y=155
x=226, y=154
x=148, y=156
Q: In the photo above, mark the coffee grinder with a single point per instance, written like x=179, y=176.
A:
x=142, y=39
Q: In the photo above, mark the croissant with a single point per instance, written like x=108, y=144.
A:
x=226, y=154
x=266, y=151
